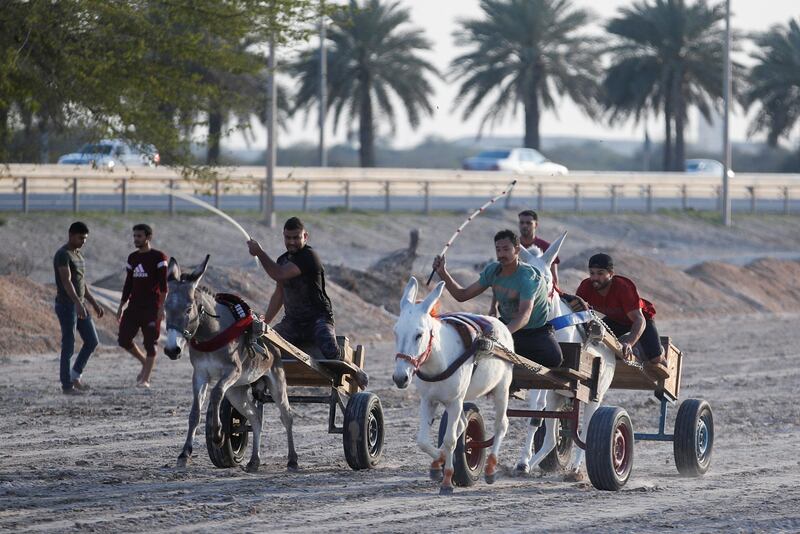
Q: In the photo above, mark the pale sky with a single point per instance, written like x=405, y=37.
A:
x=438, y=19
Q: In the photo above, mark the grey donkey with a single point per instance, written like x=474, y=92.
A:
x=193, y=314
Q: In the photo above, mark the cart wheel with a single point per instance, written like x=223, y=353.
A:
x=693, y=440
x=609, y=448
x=560, y=456
x=234, y=436
x=363, y=431
x=467, y=463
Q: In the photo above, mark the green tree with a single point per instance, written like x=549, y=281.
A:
x=774, y=82
x=526, y=52
x=129, y=69
x=666, y=57
x=372, y=58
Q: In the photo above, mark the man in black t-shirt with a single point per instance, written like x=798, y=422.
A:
x=300, y=291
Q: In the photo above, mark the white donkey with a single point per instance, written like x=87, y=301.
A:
x=549, y=399
x=428, y=345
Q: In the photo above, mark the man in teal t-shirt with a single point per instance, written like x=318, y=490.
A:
x=521, y=293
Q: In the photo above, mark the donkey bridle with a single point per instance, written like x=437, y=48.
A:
x=417, y=361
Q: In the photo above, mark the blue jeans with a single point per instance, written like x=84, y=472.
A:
x=68, y=318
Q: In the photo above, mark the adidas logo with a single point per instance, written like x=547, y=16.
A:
x=139, y=272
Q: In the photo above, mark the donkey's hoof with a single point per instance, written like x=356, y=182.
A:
x=251, y=467
x=182, y=461
x=522, y=469
x=490, y=479
x=436, y=474
x=446, y=490
x=292, y=466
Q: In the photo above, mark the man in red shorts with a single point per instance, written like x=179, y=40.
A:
x=628, y=315
x=144, y=291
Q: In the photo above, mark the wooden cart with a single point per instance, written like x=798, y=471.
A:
x=330, y=382
x=610, y=437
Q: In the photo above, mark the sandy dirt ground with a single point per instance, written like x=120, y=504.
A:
x=106, y=461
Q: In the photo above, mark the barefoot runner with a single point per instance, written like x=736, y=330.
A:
x=144, y=291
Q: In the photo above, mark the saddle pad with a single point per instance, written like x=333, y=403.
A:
x=469, y=326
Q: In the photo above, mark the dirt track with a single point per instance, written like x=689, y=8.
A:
x=105, y=462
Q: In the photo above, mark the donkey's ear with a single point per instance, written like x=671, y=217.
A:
x=552, y=251
x=173, y=270
x=200, y=271
x=433, y=297
x=410, y=293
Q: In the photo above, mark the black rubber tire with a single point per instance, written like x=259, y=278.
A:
x=609, y=448
x=467, y=465
x=693, y=440
x=235, y=436
x=363, y=431
x=560, y=456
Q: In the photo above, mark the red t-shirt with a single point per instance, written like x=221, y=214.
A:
x=543, y=246
x=146, y=283
x=621, y=299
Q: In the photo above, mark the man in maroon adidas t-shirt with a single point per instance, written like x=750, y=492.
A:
x=144, y=291
x=628, y=315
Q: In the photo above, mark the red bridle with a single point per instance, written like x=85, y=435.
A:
x=417, y=362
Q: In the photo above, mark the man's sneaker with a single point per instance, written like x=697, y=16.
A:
x=72, y=391
x=80, y=386
x=362, y=379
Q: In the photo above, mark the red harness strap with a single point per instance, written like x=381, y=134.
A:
x=223, y=338
x=239, y=309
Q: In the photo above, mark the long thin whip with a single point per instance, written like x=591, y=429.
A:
x=469, y=219
x=209, y=207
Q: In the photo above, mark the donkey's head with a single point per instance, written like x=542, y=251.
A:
x=182, y=312
x=414, y=332
x=541, y=261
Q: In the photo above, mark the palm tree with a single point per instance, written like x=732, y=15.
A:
x=369, y=57
x=666, y=57
x=774, y=82
x=526, y=52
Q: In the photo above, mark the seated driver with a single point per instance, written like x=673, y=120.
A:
x=628, y=315
x=521, y=292
x=300, y=291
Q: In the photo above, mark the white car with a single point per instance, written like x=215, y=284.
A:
x=706, y=167
x=110, y=153
x=519, y=160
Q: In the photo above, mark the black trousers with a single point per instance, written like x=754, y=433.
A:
x=321, y=331
x=649, y=343
x=539, y=345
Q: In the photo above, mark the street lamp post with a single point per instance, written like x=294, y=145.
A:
x=323, y=85
x=269, y=204
x=726, y=141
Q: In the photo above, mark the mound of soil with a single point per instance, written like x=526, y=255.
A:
x=766, y=285
x=28, y=323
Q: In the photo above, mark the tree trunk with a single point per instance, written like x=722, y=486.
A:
x=4, y=134
x=680, y=117
x=44, y=141
x=214, y=135
x=532, y=118
x=366, y=135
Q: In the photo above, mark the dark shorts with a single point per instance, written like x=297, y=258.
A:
x=320, y=331
x=649, y=343
x=134, y=320
x=539, y=345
